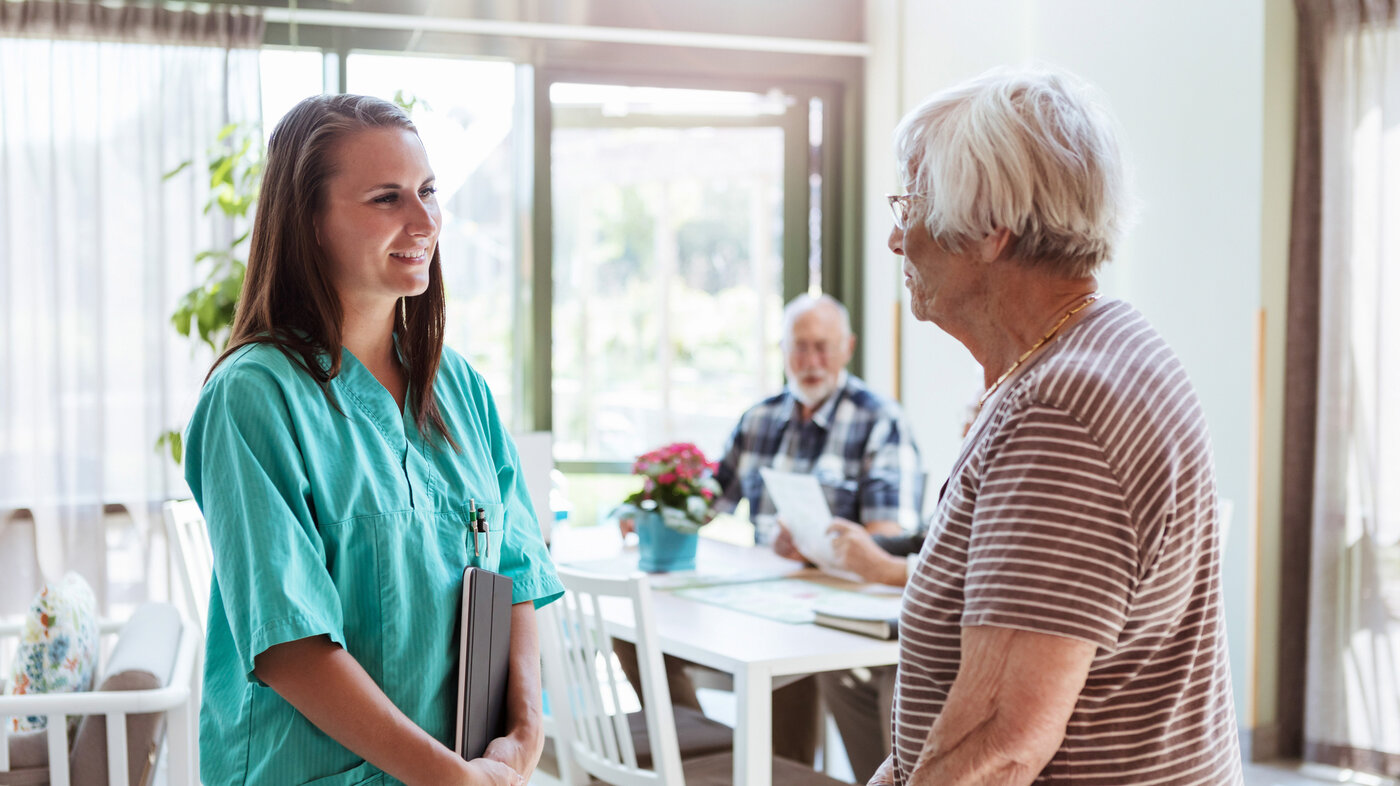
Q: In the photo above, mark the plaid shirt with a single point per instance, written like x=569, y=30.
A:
x=856, y=443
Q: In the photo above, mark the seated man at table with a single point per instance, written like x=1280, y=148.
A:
x=828, y=423
x=857, y=443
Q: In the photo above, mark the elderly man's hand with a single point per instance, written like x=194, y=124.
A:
x=857, y=552
x=783, y=545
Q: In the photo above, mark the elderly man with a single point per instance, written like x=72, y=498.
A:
x=857, y=444
x=1064, y=621
x=826, y=422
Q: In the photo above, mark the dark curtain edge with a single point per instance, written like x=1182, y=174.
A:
x=1300, y=389
x=1317, y=21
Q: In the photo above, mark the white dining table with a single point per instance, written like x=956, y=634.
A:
x=756, y=650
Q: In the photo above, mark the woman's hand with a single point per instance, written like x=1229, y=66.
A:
x=857, y=552
x=519, y=750
x=327, y=685
x=489, y=772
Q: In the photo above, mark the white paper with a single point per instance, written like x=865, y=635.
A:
x=801, y=505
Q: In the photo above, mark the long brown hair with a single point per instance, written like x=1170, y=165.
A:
x=287, y=299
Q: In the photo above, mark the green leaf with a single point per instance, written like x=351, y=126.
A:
x=229, y=289
x=238, y=205
x=238, y=241
x=177, y=170
x=221, y=179
x=226, y=132
x=175, y=442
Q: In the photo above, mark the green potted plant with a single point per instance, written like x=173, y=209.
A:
x=235, y=173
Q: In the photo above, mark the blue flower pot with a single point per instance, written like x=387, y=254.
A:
x=662, y=548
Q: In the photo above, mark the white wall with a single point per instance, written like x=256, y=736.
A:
x=1186, y=81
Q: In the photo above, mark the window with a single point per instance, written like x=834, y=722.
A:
x=668, y=261
x=286, y=76
x=465, y=112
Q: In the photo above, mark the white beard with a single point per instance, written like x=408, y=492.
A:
x=811, y=397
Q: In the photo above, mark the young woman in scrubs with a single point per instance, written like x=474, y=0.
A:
x=336, y=451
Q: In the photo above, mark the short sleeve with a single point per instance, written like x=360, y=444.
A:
x=892, y=485
x=1053, y=549
x=524, y=557
x=248, y=477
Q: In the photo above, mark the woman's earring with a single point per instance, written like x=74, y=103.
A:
x=403, y=312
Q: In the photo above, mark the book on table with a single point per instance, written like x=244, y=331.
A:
x=869, y=615
x=483, y=661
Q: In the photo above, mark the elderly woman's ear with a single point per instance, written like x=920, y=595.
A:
x=993, y=246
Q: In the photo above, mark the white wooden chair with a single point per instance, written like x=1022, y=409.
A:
x=593, y=734
x=150, y=670
x=194, y=559
x=193, y=574
x=592, y=731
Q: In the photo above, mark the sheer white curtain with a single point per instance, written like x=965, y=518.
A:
x=1353, y=706
x=95, y=249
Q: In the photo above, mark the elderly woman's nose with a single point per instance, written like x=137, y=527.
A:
x=896, y=241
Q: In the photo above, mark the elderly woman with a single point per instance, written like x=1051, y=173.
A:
x=1064, y=622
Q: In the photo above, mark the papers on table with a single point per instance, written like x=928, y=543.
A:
x=801, y=504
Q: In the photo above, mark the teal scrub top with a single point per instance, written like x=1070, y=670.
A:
x=351, y=525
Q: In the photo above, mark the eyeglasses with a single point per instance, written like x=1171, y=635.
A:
x=899, y=206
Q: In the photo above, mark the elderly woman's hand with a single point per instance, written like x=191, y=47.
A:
x=857, y=552
x=884, y=776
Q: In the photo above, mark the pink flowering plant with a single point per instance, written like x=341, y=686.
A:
x=678, y=483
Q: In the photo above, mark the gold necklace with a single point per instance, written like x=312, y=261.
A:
x=1089, y=300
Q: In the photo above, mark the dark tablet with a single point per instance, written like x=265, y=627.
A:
x=483, y=661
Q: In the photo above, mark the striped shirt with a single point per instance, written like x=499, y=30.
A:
x=1085, y=506
x=856, y=443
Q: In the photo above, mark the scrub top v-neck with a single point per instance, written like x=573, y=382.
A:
x=351, y=525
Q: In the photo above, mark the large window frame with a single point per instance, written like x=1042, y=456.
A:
x=835, y=82
x=798, y=170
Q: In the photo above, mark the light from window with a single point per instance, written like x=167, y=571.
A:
x=287, y=76
x=465, y=114
x=667, y=272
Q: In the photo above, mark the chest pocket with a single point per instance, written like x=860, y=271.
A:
x=480, y=550
x=841, y=492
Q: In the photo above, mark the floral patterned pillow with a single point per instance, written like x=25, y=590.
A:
x=58, y=646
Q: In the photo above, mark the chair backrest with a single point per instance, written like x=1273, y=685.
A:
x=583, y=680
x=536, y=450
x=145, y=688
x=194, y=559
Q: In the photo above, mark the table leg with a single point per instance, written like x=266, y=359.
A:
x=753, y=735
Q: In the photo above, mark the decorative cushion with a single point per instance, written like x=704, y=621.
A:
x=58, y=645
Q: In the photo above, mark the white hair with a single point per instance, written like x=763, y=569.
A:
x=1027, y=150
x=803, y=303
